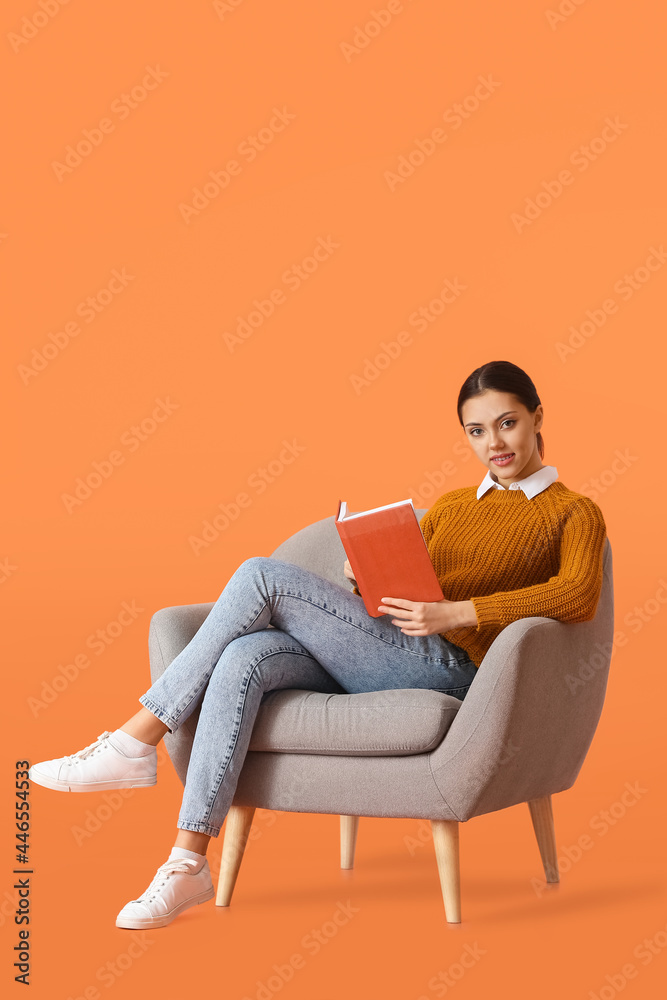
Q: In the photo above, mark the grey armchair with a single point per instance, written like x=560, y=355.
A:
x=520, y=735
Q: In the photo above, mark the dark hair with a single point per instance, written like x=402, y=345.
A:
x=502, y=376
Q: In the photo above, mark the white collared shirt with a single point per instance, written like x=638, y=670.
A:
x=531, y=485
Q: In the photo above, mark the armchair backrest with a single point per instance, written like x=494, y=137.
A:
x=318, y=547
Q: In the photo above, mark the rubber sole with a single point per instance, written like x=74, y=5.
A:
x=89, y=786
x=139, y=923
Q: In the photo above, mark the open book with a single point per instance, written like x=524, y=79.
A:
x=388, y=554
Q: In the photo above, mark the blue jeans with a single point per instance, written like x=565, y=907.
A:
x=322, y=639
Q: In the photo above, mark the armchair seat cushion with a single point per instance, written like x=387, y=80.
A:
x=396, y=722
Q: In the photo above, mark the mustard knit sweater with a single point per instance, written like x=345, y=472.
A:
x=515, y=557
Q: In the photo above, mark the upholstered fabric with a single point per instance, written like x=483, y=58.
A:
x=373, y=724
x=522, y=731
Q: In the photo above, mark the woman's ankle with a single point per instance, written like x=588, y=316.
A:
x=146, y=727
x=190, y=840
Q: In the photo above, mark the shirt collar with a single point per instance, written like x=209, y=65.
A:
x=531, y=485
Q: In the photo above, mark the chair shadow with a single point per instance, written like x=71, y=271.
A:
x=558, y=900
x=493, y=900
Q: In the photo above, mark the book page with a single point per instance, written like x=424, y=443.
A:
x=346, y=516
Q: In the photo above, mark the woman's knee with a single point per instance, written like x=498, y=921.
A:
x=255, y=566
x=250, y=657
x=256, y=562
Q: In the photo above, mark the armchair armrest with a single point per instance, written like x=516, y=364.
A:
x=523, y=729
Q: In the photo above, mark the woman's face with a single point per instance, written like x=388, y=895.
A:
x=497, y=424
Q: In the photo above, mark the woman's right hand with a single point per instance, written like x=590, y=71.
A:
x=347, y=570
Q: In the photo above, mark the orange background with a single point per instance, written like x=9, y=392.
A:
x=162, y=337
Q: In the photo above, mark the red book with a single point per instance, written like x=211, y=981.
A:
x=388, y=554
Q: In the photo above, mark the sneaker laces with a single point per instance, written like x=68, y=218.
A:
x=88, y=751
x=164, y=873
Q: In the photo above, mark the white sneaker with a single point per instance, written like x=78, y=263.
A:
x=95, y=768
x=175, y=888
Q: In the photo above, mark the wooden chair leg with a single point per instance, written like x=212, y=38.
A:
x=237, y=829
x=446, y=843
x=349, y=826
x=542, y=816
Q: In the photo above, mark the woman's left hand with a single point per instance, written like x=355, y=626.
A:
x=422, y=618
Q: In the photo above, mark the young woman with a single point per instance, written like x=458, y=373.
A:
x=519, y=544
